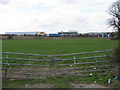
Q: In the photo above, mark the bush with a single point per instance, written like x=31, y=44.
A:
x=117, y=59
x=117, y=55
x=10, y=37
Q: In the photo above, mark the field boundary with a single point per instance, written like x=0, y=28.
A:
x=55, y=65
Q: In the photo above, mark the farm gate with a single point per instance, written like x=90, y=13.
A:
x=35, y=66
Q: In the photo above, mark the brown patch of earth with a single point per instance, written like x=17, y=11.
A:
x=37, y=86
x=92, y=85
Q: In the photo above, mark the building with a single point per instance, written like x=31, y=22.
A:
x=68, y=34
x=99, y=34
x=24, y=33
x=54, y=35
x=105, y=35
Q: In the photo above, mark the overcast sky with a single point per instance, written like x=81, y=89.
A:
x=52, y=16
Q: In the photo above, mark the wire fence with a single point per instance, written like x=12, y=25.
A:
x=34, y=66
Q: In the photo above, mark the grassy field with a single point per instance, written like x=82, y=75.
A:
x=58, y=46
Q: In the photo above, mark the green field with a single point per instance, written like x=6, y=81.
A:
x=53, y=47
x=57, y=46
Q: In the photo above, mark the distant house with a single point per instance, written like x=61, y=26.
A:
x=68, y=33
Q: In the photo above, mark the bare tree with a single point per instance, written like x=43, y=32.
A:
x=114, y=11
x=114, y=22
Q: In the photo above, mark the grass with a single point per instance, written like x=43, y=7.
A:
x=57, y=46
x=58, y=82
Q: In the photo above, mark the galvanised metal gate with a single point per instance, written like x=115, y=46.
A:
x=34, y=66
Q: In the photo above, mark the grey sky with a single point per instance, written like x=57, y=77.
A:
x=52, y=16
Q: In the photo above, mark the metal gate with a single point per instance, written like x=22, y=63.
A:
x=34, y=66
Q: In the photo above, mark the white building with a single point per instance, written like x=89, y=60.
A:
x=23, y=33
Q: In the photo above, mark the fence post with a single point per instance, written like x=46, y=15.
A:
x=107, y=55
x=108, y=58
x=28, y=75
x=29, y=58
x=74, y=60
x=7, y=65
x=95, y=58
x=52, y=66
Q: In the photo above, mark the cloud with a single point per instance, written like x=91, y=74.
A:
x=68, y=1
x=52, y=16
x=4, y=1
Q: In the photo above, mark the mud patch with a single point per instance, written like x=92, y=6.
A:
x=37, y=86
x=93, y=85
